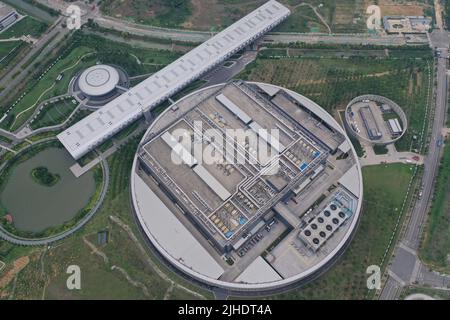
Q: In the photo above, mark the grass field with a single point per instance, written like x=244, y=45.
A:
x=8, y=58
x=166, y=13
x=26, y=26
x=383, y=197
x=333, y=82
x=341, y=16
x=6, y=48
x=435, y=249
x=54, y=113
x=46, y=87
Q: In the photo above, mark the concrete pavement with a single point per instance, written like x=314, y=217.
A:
x=223, y=74
x=405, y=264
x=42, y=48
x=393, y=156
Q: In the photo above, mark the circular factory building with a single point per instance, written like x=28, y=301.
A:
x=375, y=119
x=100, y=84
x=247, y=187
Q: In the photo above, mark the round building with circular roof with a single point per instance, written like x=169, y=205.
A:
x=375, y=119
x=98, y=80
x=248, y=187
x=99, y=84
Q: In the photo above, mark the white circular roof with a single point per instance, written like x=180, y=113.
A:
x=98, y=80
x=142, y=205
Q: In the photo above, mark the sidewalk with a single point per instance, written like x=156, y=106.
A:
x=393, y=156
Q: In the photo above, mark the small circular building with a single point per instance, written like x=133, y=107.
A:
x=375, y=119
x=99, y=84
x=98, y=80
x=225, y=215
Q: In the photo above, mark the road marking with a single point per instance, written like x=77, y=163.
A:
x=406, y=248
x=413, y=176
x=396, y=277
x=9, y=149
x=417, y=267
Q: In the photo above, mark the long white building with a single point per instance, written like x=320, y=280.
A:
x=119, y=113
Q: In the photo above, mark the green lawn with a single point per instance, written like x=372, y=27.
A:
x=436, y=246
x=383, y=197
x=26, y=26
x=167, y=13
x=46, y=87
x=135, y=60
x=11, y=53
x=380, y=149
x=7, y=47
x=302, y=19
x=54, y=113
x=8, y=52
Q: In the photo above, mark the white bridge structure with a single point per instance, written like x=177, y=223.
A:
x=102, y=124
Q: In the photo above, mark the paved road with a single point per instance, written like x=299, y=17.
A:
x=391, y=40
x=393, y=156
x=34, y=11
x=432, y=160
x=419, y=296
x=46, y=43
x=201, y=36
x=406, y=267
x=223, y=74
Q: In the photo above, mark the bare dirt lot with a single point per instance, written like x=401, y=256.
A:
x=404, y=8
x=218, y=13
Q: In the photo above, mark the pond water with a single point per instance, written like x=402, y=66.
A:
x=35, y=207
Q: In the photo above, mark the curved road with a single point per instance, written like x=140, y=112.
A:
x=201, y=36
x=406, y=268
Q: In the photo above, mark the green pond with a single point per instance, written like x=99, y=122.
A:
x=36, y=207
